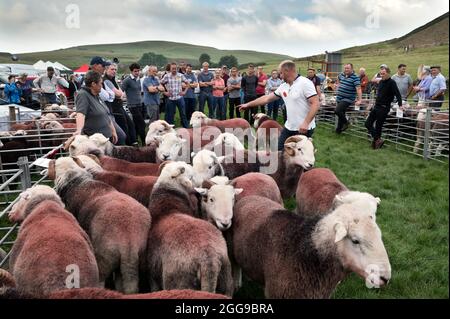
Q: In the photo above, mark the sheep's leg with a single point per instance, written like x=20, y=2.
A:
x=417, y=144
x=225, y=282
x=129, y=269
x=209, y=272
x=105, y=268
x=118, y=281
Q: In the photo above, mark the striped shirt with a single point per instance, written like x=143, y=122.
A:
x=347, y=87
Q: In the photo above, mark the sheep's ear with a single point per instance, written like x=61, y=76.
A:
x=237, y=191
x=171, y=125
x=180, y=170
x=220, y=159
x=207, y=184
x=315, y=151
x=78, y=161
x=339, y=199
x=95, y=158
x=68, y=143
x=186, y=183
x=340, y=231
x=290, y=148
x=201, y=191
x=378, y=200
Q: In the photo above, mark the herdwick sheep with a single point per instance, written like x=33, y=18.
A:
x=171, y=147
x=158, y=128
x=200, y=136
x=258, y=184
x=184, y=252
x=298, y=257
x=225, y=144
x=439, y=132
x=284, y=166
x=50, y=245
x=207, y=164
x=238, y=126
x=138, y=187
x=99, y=145
x=118, y=165
x=116, y=223
x=217, y=203
x=267, y=131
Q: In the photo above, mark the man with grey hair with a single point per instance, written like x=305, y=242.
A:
x=152, y=89
x=300, y=98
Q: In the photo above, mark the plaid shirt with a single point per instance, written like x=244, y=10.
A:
x=173, y=84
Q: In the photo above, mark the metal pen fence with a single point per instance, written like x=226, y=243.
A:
x=422, y=129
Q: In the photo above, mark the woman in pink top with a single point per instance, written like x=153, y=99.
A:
x=219, y=108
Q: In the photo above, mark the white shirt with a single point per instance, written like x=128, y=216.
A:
x=295, y=98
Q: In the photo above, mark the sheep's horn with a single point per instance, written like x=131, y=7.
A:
x=78, y=161
x=179, y=171
x=208, y=184
x=6, y=279
x=95, y=158
x=68, y=142
x=161, y=166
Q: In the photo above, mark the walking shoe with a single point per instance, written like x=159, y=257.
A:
x=379, y=143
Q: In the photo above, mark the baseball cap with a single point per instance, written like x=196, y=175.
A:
x=98, y=60
x=383, y=66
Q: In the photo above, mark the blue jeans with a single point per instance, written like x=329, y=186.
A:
x=285, y=134
x=219, y=107
x=51, y=98
x=203, y=97
x=190, y=104
x=170, y=111
x=272, y=108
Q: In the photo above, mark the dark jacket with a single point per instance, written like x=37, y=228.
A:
x=387, y=90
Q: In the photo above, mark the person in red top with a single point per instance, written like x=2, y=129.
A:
x=218, y=96
x=364, y=79
x=261, y=88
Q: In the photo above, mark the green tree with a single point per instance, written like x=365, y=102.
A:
x=229, y=61
x=152, y=58
x=204, y=57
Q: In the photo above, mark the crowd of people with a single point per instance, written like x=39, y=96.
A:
x=99, y=96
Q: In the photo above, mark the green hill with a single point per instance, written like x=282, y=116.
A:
x=131, y=52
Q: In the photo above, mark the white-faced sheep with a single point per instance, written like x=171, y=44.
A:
x=200, y=136
x=184, y=252
x=171, y=147
x=267, y=131
x=298, y=257
x=207, y=164
x=158, y=128
x=100, y=145
x=116, y=223
x=284, y=166
x=50, y=244
x=138, y=187
x=225, y=144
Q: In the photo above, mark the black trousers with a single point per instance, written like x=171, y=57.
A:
x=340, y=110
x=285, y=134
x=262, y=107
x=138, y=119
x=378, y=116
x=232, y=103
x=248, y=114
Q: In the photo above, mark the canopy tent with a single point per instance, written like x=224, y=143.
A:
x=82, y=69
x=41, y=65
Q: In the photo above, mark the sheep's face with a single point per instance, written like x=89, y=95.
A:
x=80, y=145
x=102, y=142
x=229, y=140
x=218, y=202
x=257, y=118
x=64, y=164
x=170, y=147
x=20, y=210
x=359, y=244
x=177, y=174
x=158, y=128
x=300, y=151
x=90, y=162
x=53, y=125
x=197, y=119
x=207, y=164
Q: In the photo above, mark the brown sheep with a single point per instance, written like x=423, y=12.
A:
x=284, y=166
x=199, y=137
x=48, y=244
x=298, y=257
x=118, y=165
x=258, y=184
x=316, y=191
x=184, y=252
x=116, y=223
x=267, y=130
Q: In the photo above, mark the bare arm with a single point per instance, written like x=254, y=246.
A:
x=314, y=106
x=79, y=119
x=259, y=101
x=359, y=92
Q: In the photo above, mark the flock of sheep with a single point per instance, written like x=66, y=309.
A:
x=186, y=215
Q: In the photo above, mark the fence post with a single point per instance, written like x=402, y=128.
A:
x=12, y=114
x=25, y=177
x=426, y=136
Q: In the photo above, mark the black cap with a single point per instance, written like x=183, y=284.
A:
x=98, y=60
x=435, y=67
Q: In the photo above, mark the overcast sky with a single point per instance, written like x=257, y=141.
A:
x=293, y=27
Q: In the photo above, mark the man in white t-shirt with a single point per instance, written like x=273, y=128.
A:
x=301, y=100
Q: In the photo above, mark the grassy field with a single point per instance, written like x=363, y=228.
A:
x=132, y=52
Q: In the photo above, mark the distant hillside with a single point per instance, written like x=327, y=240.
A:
x=131, y=52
